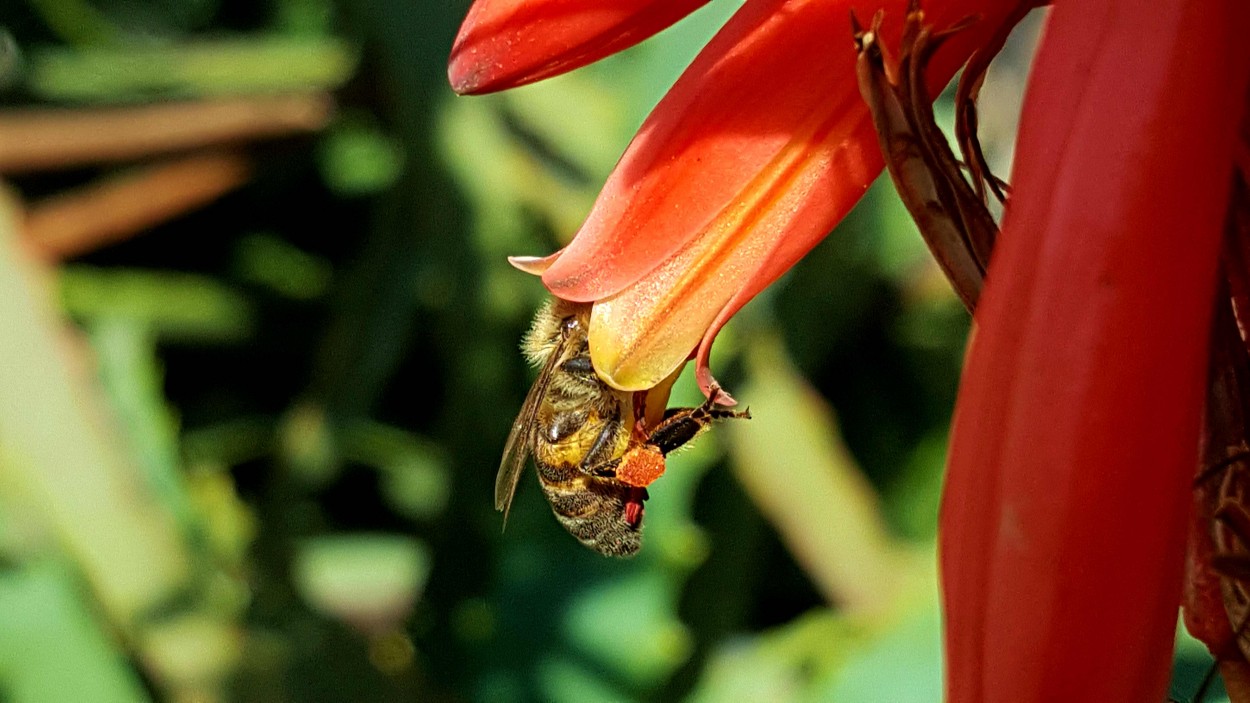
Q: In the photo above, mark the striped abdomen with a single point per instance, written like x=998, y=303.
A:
x=597, y=511
x=573, y=439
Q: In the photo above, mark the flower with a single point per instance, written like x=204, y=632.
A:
x=752, y=157
x=506, y=43
x=1076, y=431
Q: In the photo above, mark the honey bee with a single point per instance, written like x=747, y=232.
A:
x=594, y=456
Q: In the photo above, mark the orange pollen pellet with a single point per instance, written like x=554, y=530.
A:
x=640, y=466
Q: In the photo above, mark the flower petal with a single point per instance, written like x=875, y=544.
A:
x=506, y=43
x=1075, y=435
x=533, y=265
x=753, y=156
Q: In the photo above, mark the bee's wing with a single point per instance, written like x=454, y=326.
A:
x=517, y=449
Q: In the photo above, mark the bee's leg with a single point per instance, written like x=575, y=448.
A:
x=565, y=423
x=601, y=451
x=579, y=365
x=680, y=425
x=605, y=470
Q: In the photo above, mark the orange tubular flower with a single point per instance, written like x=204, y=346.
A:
x=749, y=161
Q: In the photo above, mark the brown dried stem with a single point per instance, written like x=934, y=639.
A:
x=113, y=209
x=43, y=139
x=966, y=94
x=953, y=220
x=975, y=222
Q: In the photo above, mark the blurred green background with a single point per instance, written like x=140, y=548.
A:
x=259, y=357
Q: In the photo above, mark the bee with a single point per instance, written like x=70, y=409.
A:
x=593, y=453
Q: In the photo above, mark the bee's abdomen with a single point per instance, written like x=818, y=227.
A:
x=593, y=511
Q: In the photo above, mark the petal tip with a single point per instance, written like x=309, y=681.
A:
x=534, y=265
x=464, y=75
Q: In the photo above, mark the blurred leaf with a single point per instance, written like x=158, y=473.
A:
x=792, y=463
x=934, y=320
x=86, y=23
x=418, y=491
x=221, y=67
x=132, y=378
x=12, y=60
x=357, y=158
x=369, y=581
x=509, y=186
x=825, y=656
x=307, y=444
x=196, y=650
x=268, y=260
x=414, y=472
x=914, y=493
x=175, y=306
x=499, y=686
x=52, y=648
x=895, y=242
x=474, y=620
x=645, y=642
x=227, y=524
x=645, y=72
x=229, y=443
x=530, y=163
x=60, y=456
x=304, y=17
x=563, y=681
x=777, y=666
x=77, y=22
x=571, y=126
x=900, y=664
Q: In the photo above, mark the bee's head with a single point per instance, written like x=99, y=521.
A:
x=559, y=324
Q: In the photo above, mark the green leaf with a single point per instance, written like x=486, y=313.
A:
x=60, y=458
x=52, y=647
x=370, y=581
x=563, y=681
x=414, y=472
x=645, y=642
x=133, y=380
x=268, y=260
x=782, y=664
x=207, y=68
x=176, y=306
x=357, y=158
x=792, y=462
x=901, y=664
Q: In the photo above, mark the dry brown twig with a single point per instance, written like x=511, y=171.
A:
x=49, y=139
x=114, y=209
x=117, y=207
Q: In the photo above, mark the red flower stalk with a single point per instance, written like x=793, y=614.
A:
x=1076, y=432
